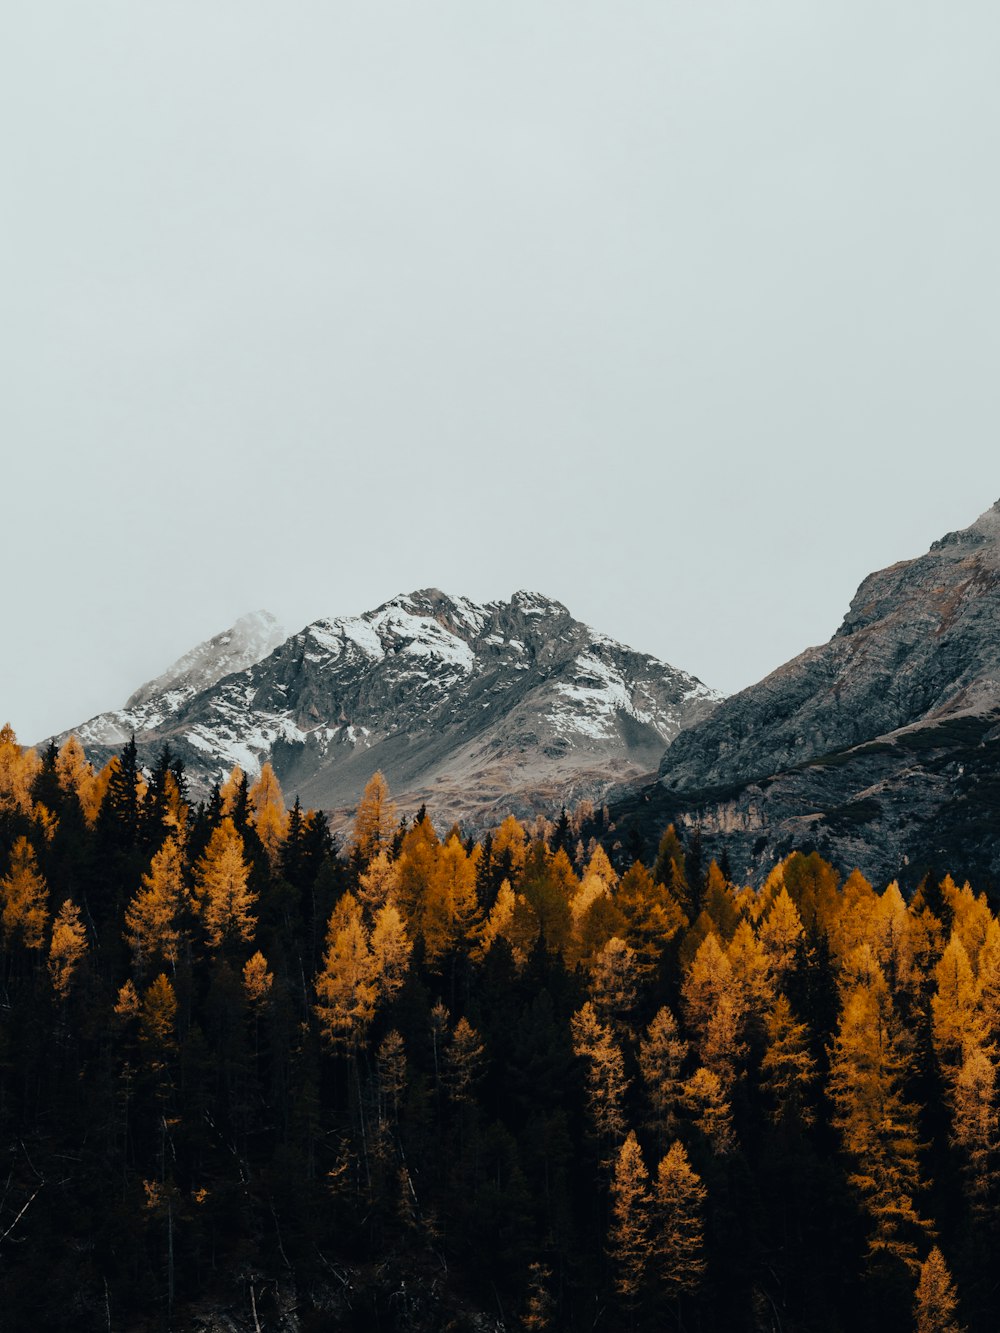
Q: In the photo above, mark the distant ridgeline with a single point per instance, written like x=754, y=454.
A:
x=251, y=1078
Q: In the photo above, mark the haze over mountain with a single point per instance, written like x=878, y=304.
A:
x=878, y=747
x=482, y=708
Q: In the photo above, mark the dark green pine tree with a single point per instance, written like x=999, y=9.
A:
x=120, y=818
x=695, y=869
x=562, y=838
x=291, y=851
x=154, y=807
x=45, y=787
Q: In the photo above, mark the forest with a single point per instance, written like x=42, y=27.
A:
x=255, y=1075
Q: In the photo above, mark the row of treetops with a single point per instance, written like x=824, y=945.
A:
x=699, y=984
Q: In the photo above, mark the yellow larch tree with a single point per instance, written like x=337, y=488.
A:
x=936, y=1299
x=463, y=1062
x=614, y=984
x=346, y=985
x=498, y=923
x=257, y=980
x=651, y=916
x=127, y=1006
x=678, y=1224
x=869, y=1062
x=455, y=882
x=67, y=949
x=719, y=903
x=722, y=1048
x=705, y=1102
x=662, y=1053
x=750, y=970
x=24, y=895
x=709, y=978
x=970, y=915
x=377, y=884
x=787, y=1070
x=391, y=949
x=510, y=848
x=158, y=1017
x=374, y=820
x=94, y=788
x=629, y=1242
x=976, y=1126
x=988, y=979
x=955, y=1015
x=71, y=765
x=600, y=866
x=229, y=791
x=850, y=920
x=18, y=770
x=153, y=919
x=605, y=1075
x=268, y=813
x=782, y=936
x=224, y=898
x=891, y=939
x=415, y=866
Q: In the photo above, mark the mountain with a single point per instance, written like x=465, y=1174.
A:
x=480, y=709
x=252, y=637
x=879, y=748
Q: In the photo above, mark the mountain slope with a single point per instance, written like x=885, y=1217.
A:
x=252, y=637
x=512, y=704
x=862, y=745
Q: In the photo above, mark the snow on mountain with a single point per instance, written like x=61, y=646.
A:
x=463, y=704
x=252, y=637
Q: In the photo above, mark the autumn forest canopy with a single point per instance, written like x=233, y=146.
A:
x=407, y=1079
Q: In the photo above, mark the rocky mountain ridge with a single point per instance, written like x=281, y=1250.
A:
x=480, y=708
x=880, y=747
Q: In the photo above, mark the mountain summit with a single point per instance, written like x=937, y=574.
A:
x=508, y=705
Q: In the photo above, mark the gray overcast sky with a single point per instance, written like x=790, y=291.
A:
x=685, y=314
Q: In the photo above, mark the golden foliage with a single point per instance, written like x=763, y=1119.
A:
x=18, y=770
x=225, y=900
x=257, y=980
x=374, y=820
x=629, y=1233
x=24, y=895
x=391, y=949
x=606, y=1082
x=268, y=813
x=158, y=1015
x=936, y=1299
x=67, y=949
x=869, y=1063
x=678, y=1223
x=346, y=986
x=153, y=917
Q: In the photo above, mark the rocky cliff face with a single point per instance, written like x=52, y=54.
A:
x=478, y=709
x=877, y=747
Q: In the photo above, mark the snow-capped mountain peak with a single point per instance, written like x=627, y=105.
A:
x=512, y=703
